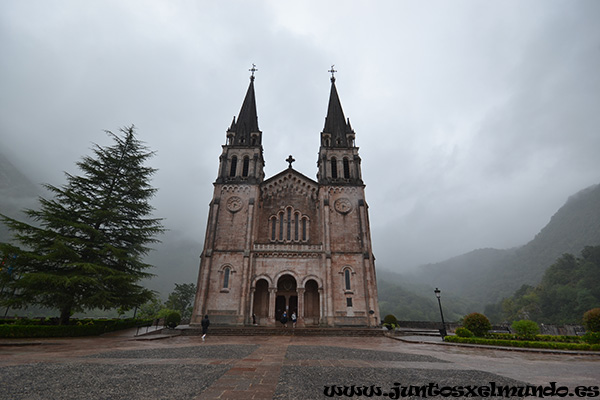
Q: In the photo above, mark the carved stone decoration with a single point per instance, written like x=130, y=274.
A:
x=343, y=205
x=234, y=204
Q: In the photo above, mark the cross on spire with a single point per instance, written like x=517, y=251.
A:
x=253, y=70
x=333, y=71
x=290, y=160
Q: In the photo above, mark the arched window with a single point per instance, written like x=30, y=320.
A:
x=296, y=218
x=347, y=285
x=334, y=173
x=281, y=226
x=346, y=168
x=246, y=166
x=304, y=231
x=273, y=228
x=226, y=273
x=233, y=166
x=289, y=224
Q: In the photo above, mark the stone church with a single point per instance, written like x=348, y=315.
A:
x=288, y=243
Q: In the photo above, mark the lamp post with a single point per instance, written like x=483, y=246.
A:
x=438, y=293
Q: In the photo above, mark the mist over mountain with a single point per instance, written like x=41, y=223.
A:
x=16, y=193
x=468, y=281
x=175, y=258
x=487, y=275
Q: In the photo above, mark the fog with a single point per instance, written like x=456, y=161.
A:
x=475, y=120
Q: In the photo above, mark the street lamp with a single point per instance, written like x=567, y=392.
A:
x=438, y=293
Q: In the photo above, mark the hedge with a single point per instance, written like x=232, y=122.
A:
x=538, y=338
x=89, y=328
x=525, y=343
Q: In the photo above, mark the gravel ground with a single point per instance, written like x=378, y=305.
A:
x=343, y=353
x=299, y=382
x=206, y=351
x=100, y=381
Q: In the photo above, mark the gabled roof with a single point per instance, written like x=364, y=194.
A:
x=289, y=179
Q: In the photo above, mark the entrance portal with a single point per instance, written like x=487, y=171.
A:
x=287, y=297
x=261, y=302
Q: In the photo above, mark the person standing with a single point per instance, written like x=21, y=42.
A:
x=294, y=319
x=205, y=324
x=284, y=319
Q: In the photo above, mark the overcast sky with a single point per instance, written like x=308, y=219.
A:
x=475, y=119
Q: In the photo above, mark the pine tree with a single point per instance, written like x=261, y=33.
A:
x=87, y=246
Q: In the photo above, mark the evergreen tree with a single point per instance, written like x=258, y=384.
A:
x=181, y=299
x=87, y=247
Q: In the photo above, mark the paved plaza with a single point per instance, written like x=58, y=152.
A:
x=265, y=367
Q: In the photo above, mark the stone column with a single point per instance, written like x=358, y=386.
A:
x=251, y=305
x=300, y=306
x=272, y=296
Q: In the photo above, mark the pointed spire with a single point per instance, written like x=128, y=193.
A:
x=247, y=120
x=335, y=122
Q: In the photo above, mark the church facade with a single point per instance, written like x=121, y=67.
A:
x=288, y=243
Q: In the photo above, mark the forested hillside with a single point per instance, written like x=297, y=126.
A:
x=488, y=275
x=568, y=288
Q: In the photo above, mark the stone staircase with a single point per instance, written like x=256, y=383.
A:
x=280, y=331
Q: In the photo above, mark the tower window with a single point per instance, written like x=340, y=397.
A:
x=334, y=173
x=273, y=228
x=346, y=168
x=246, y=166
x=233, y=166
x=226, y=272
x=347, y=279
x=348, y=301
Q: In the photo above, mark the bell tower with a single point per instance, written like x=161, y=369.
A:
x=242, y=158
x=339, y=162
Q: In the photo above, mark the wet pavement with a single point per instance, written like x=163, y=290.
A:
x=265, y=367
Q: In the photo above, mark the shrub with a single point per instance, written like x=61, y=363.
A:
x=525, y=329
x=592, y=337
x=173, y=319
x=477, y=323
x=591, y=320
x=463, y=332
x=390, y=321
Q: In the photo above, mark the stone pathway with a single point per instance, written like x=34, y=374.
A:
x=264, y=367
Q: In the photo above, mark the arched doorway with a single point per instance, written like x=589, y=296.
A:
x=311, y=303
x=260, y=308
x=287, y=296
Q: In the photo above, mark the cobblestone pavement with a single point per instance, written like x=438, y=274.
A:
x=264, y=367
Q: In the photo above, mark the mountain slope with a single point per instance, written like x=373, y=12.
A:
x=488, y=275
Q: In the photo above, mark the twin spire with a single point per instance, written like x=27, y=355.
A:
x=337, y=131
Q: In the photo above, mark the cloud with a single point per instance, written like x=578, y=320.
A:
x=475, y=121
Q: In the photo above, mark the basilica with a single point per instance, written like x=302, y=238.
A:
x=288, y=243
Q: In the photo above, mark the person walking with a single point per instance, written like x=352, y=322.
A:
x=205, y=324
